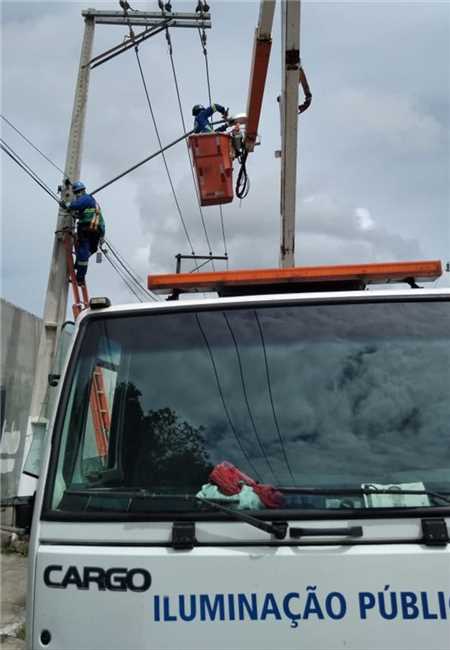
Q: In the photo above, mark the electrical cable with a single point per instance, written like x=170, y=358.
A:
x=247, y=403
x=23, y=165
x=307, y=92
x=202, y=35
x=162, y=153
x=127, y=268
x=180, y=107
x=136, y=278
x=31, y=144
x=223, y=235
x=131, y=281
x=269, y=385
x=27, y=169
x=196, y=268
x=222, y=397
x=242, y=181
x=203, y=41
x=123, y=278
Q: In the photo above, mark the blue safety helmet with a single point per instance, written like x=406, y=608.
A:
x=197, y=108
x=78, y=186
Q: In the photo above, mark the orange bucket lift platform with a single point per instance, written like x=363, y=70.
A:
x=211, y=157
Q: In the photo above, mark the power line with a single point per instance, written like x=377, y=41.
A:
x=136, y=278
x=31, y=144
x=180, y=107
x=223, y=234
x=27, y=169
x=225, y=408
x=138, y=282
x=161, y=147
x=125, y=274
x=123, y=277
x=199, y=266
x=202, y=35
x=142, y=162
x=244, y=391
x=269, y=385
x=203, y=41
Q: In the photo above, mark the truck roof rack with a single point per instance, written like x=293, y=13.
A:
x=349, y=277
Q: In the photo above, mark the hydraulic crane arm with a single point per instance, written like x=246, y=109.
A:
x=260, y=63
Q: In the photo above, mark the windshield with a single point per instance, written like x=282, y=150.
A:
x=166, y=406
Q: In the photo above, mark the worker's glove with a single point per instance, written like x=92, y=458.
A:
x=63, y=205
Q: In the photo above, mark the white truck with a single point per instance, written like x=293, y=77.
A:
x=336, y=400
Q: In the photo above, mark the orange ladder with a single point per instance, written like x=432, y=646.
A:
x=80, y=293
x=97, y=397
x=100, y=412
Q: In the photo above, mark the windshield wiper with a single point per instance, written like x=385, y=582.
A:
x=361, y=491
x=277, y=529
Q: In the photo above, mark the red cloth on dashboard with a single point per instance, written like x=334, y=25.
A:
x=229, y=479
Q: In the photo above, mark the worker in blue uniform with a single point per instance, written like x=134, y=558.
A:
x=90, y=227
x=202, y=114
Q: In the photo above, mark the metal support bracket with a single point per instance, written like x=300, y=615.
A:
x=435, y=532
x=183, y=535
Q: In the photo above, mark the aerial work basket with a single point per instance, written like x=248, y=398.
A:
x=211, y=155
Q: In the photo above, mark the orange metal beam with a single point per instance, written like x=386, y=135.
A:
x=261, y=55
x=370, y=273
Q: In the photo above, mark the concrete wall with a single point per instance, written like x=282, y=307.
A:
x=20, y=332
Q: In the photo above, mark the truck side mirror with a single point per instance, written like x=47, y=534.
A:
x=64, y=340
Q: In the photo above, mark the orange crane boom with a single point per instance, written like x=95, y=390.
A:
x=260, y=63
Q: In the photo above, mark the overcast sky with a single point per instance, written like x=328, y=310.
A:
x=374, y=148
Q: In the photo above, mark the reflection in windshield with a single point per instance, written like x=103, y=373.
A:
x=332, y=396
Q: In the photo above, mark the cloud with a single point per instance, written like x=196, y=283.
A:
x=374, y=138
x=389, y=120
x=365, y=220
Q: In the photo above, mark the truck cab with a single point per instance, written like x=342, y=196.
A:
x=272, y=473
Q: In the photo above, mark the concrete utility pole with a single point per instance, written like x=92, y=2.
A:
x=290, y=29
x=57, y=288
x=56, y=297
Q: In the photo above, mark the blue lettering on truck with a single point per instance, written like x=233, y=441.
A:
x=294, y=607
